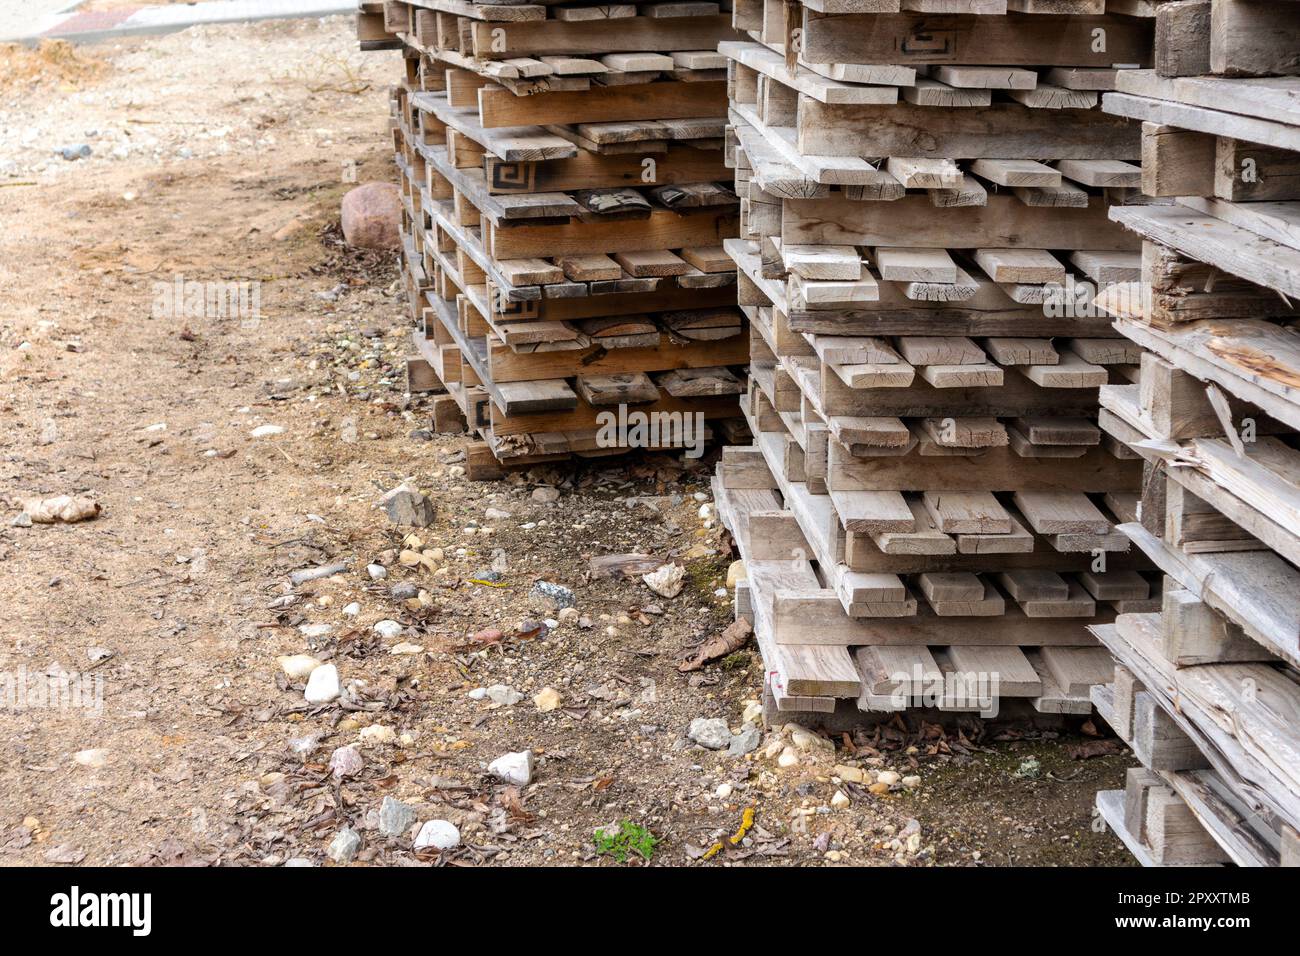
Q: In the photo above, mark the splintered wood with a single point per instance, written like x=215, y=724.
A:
x=924, y=200
x=1204, y=689
x=566, y=205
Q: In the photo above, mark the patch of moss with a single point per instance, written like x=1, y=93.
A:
x=737, y=661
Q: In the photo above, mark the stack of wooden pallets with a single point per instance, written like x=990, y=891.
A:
x=1206, y=690
x=929, y=503
x=566, y=199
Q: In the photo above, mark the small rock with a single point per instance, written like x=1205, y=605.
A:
x=316, y=573
x=305, y=745
x=266, y=431
x=1030, y=768
x=21, y=520
x=752, y=712
x=710, y=732
x=513, y=768
x=912, y=782
x=724, y=791
x=298, y=666
x=343, y=848
x=667, y=581
x=94, y=759
x=351, y=610
x=395, y=817
x=371, y=214
x=568, y=615
x=736, y=573
x=406, y=506
x=403, y=592
x=65, y=853
x=298, y=861
x=322, y=685
x=376, y=735
x=492, y=514
x=547, y=699
x=439, y=834
x=840, y=801
x=546, y=495
x=377, y=572
x=68, y=509
x=746, y=741
x=504, y=695
x=405, y=647
x=346, y=762
x=888, y=778
x=851, y=774
x=788, y=758
x=532, y=630
x=805, y=739
x=554, y=595
x=388, y=629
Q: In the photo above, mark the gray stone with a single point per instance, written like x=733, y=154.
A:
x=299, y=861
x=554, y=595
x=315, y=574
x=343, y=848
x=305, y=745
x=406, y=506
x=746, y=741
x=395, y=817
x=504, y=694
x=377, y=572
x=403, y=592
x=710, y=732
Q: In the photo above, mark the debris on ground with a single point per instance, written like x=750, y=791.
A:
x=67, y=509
x=735, y=636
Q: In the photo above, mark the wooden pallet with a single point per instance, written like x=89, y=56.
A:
x=567, y=271
x=1206, y=689
x=816, y=614
x=1211, y=791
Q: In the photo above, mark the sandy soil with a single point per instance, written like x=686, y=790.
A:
x=177, y=599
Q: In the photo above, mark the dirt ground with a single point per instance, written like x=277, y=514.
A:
x=218, y=154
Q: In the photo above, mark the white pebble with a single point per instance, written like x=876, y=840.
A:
x=323, y=685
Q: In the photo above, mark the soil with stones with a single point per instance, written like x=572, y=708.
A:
x=218, y=156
